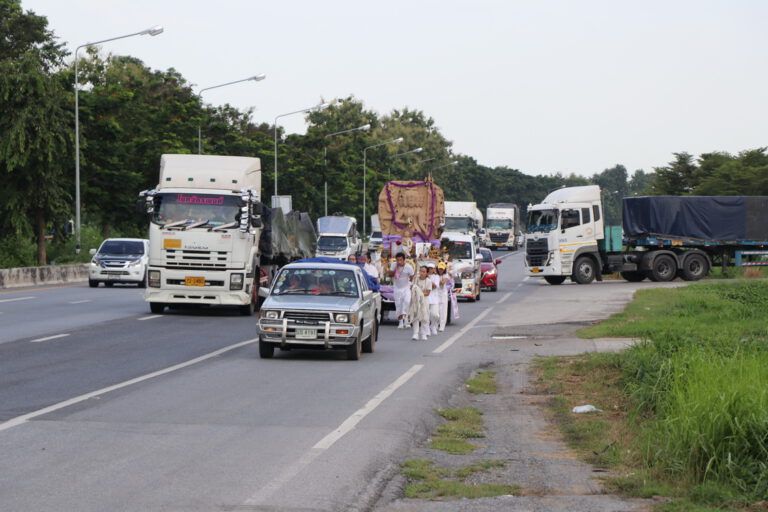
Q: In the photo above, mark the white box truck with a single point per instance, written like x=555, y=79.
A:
x=501, y=226
x=463, y=217
x=204, y=232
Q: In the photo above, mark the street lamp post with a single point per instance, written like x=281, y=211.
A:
x=455, y=162
x=417, y=150
x=153, y=31
x=316, y=107
x=255, y=78
x=365, y=150
x=325, y=157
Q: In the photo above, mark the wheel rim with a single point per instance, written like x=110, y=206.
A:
x=585, y=269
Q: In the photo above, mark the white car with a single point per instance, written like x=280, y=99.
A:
x=119, y=260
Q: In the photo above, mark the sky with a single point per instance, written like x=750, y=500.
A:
x=541, y=86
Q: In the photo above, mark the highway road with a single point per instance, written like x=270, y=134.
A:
x=104, y=406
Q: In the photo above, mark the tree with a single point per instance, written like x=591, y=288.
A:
x=36, y=121
x=677, y=178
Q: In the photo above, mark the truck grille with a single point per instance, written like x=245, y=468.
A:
x=307, y=316
x=536, y=252
x=499, y=237
x=203, y=260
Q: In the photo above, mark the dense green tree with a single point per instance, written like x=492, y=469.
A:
x=679, y=177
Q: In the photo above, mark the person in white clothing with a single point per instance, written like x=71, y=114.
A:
x=423, y=286
x=434, y=299
x=369, y=269
x=443, y=291
x=402, y=274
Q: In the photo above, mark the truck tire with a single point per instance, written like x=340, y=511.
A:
x=250, y=309
x=93, y=284
x=157, y=307
x=143, y=282
x=695, y=267
x=369, y=345
x=355, y=349
x=450, y=312
x=633, y=276
x=554, y=279
x=266, y=350
x=664, y=269
x=584, y=270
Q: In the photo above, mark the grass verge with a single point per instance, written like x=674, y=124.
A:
x=460, y=425
x=484, y=383
x=427, y=481
x=686, y=414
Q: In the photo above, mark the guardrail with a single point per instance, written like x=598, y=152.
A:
x=51, y=274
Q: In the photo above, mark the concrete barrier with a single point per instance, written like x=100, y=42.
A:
x=34, y=276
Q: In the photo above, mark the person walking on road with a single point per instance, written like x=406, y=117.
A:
x=419, y=307
x=402, y=276
x=434, y=299
x=444, y=291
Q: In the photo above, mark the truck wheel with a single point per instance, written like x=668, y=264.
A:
x=369, y=345
x=584, y=270
x=93, y=284
x=157, y=307
x=664, y=269
x=554, y=279
x=450, y=311
x=633, y=276
x=354, y=350
x=694, y=267
x=143, y=282
x=250, y=309
x=266, y=350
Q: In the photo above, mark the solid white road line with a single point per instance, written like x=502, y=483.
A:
x=150, y=317
x=80, y=301
x=16, y=299
x=321, y=446
x=48, y=338
x=459, y=334
x=18, y=420
x=505, y=297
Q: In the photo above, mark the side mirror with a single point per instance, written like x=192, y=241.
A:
x=92, y=252
x=263, y=292
x=498, y=262
x=478, y=257
x=256, y=221
x=141, y=205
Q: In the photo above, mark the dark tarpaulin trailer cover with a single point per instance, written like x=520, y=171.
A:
x=714, y=218
x=286, y=237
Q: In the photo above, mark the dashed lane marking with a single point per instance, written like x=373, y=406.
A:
x=49, y=338
x=17, y=299
x=450, y=341
x=505, y=297
x=80, y=301
x=19, y=420
x=150, y=317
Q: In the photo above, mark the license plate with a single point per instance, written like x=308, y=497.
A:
x=499, y=244
x=194, y=281
x=306, y=334
x=535, y=270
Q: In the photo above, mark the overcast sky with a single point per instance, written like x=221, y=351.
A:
x=542, y=86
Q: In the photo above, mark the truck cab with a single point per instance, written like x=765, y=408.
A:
x=337, y=237
x=500, y=226
x=562, y=235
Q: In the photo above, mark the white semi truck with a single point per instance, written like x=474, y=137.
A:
x=501, y=226
x=204, y=232
x=463, y=217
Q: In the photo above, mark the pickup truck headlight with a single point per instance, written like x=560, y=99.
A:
x=342, y=318
x=236, y=282
x=466, y=275
x=271, y=315
x=134, y=263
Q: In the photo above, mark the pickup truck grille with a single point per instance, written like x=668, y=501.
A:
x=308, y=315
x=188, y=259
x=499, y=237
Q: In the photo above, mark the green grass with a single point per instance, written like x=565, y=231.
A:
x=693, y=420
x=430, y=482
x=484, y=383
x=461, y=424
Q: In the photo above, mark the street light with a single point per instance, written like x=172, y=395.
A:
x=152, y=31
x=325, y=156
x=255, y=78
x=365, y=150
x=316, y=107
x=455, y=162
x=417, y=150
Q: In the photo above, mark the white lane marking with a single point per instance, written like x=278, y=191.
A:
x=505, y=297
x=18, y=420
x=321, y=446
x=459, y=334
x=80, y=301
x=16, y=299
x=150, y=317
x=48, y=338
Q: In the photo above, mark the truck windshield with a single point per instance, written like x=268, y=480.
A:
x=542, y=220
x=499, y=224
x=332, y=243
x=311, y=281
x=462, y=224
x=216, y=209
x=460, y=251
x=121, y=247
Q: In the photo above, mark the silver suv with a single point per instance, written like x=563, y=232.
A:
x=119, y=260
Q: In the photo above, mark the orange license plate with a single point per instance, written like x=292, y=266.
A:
x=535, y=270
x=194, y=281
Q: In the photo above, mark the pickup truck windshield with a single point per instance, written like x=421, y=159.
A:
x=303, y=281
x=499, y=224
x=216, y=209
x=460, y=251
x=121, y=247
x=332, y=243
x=461, y=224
x=542, y=220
